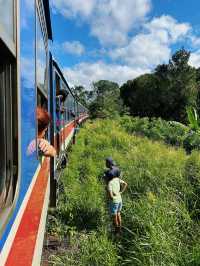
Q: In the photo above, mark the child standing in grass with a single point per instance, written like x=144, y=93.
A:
x=112, y=170
x=115, y=191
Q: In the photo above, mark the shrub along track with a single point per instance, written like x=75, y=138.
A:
x=161, y=204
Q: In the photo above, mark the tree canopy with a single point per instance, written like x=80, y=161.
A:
x=166, y=92
x=106, y=99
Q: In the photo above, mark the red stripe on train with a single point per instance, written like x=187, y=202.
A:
x=22, y=250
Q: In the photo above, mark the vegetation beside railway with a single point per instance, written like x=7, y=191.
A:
x=161, y=206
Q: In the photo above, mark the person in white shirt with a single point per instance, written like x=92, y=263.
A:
x=116, y=187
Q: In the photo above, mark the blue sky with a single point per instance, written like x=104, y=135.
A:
x=119, y=40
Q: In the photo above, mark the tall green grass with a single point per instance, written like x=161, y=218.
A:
x=161, y=206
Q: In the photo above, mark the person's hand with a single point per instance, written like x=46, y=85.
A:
x=46, y=148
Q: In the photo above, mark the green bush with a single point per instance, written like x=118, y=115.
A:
x=170, y=132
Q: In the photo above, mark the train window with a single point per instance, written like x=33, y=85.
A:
x=8, y=132
x=41, y=60
x=7, y=18
x=70, y=107
x=57, y=84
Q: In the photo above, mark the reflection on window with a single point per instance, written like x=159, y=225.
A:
x=41, y=65
x=7, y=17
x=8, y=135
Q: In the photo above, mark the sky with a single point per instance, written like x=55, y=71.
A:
x=119, y=40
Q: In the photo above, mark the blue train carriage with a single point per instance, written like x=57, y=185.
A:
x=63, y=108
x=25, y=33
x=29, y=77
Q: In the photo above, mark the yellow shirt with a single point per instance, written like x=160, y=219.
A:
x=114, y=188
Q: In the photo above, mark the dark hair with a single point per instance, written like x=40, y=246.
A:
x=43, y=119
x=110, y=162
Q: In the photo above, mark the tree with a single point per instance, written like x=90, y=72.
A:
x=183, y=85
x=106, y=99
x=165, y=93
x=141, y=95
x=82, y=94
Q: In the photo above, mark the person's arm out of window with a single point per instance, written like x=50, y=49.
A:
x=47, y=149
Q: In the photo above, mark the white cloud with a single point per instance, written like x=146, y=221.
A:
x=195, y=59
x=115, y=18
x=195, y=41
x=110, y=20
x=144, y=51
x=74, y=47
x=86, y=73
x=168, y=25
x=152, y=47
x=73, y=8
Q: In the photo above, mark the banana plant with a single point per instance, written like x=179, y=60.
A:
x=193, y=118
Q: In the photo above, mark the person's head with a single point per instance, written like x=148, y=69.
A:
x=109, y=162
x=43, y=119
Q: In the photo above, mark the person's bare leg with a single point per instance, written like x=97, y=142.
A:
x=119, y=219
x=115, y=220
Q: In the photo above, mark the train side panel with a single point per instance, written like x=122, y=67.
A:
x=20, y=236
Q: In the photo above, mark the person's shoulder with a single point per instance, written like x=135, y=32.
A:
x=110, y=182
x=115, y=171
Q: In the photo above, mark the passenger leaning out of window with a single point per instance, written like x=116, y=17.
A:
x=44, y=119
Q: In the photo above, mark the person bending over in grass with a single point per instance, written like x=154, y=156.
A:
x=116, y=187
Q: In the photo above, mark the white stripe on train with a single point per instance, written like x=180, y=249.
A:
x=9, y=241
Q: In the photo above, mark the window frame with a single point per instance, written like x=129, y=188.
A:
x=40, y=22
x=11, y=73
x=11, y=43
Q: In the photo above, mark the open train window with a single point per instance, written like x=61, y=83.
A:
x=41, y=58
x=8, y=132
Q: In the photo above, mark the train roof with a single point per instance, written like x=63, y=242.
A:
x=48, y=18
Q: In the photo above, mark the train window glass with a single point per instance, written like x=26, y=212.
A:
x=70, y=107
x=8, y=133
x=41, y=61
x=7, y=18
x=64, y=88
x=57, y=84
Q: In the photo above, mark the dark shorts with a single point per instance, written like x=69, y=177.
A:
x=115, y=207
